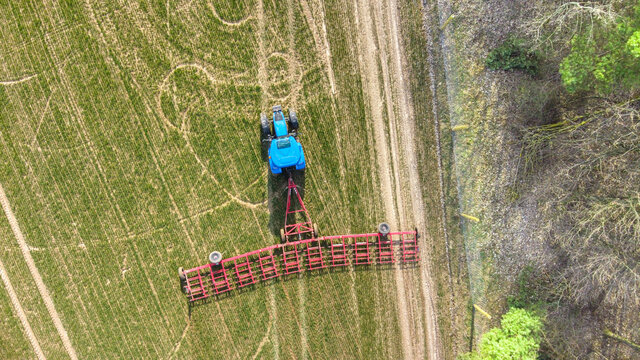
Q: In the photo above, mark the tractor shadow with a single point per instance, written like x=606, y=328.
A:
x=264, y=149
x=277, y=198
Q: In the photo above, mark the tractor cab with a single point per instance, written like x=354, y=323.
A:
x=285, y=152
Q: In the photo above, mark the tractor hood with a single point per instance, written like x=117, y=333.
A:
x=280, y=126
x=285, y=152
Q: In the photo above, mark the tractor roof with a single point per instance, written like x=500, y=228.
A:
x=285, y=152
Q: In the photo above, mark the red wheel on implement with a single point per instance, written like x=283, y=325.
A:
x=315, y=230
x=282, y=237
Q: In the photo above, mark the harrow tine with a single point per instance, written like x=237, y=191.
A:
x=287, y=258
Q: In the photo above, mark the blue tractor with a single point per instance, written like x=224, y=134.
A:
x=285, y=152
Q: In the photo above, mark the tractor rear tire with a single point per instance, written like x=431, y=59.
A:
x=293, y=119
x=282, y=237
x=264, y=126
x=315, y=230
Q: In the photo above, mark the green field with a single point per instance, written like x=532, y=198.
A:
x=129, y=146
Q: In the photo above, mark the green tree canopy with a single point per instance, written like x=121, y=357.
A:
x=604, y=55
x=517, y=338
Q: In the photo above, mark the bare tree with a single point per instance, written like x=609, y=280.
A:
x=565, y=18
x=592, y=211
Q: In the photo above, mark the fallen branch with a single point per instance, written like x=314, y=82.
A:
x=608, y=333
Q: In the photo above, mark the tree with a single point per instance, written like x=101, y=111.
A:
x=517, y=338
x=603, y=55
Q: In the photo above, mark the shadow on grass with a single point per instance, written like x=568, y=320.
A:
x=277, y=198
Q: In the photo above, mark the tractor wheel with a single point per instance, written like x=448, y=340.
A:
x=264, y=125
x=181, y=274
x=315, y=230
x=282, y=237
x=383, y=228
x=293, y=119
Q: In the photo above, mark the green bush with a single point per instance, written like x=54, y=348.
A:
x=603, y=56
x=518, y=338
x=525, y=295
x=513, y=55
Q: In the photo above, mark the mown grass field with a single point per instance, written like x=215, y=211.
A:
x=129, y=146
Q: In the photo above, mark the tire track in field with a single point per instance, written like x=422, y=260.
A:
x=262, y=71
x=304, y=343
x=20, y=312
x=88, y=326
x=274, y=334
x=153, y=152
x=394, y=99
x=321, y=42
x=273, y=308
x=263, y=81
x=18, y=81
x=184, y=130
x=226, y=327
x=294, y=65
x=42, y=289
x=44, y=112
x=264, y=340
x=227, y=22
x=369, y=69
x=292, y=308
x=324, y=52
x=334, y=199
x=176, y=347
x=32, y=177
x=92, y=152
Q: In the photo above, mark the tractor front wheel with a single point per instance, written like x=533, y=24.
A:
x=293, y=119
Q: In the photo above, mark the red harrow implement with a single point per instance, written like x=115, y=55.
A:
x=296, y=231
x=301, y=250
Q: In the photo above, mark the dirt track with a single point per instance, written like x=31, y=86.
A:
x=396, y=159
